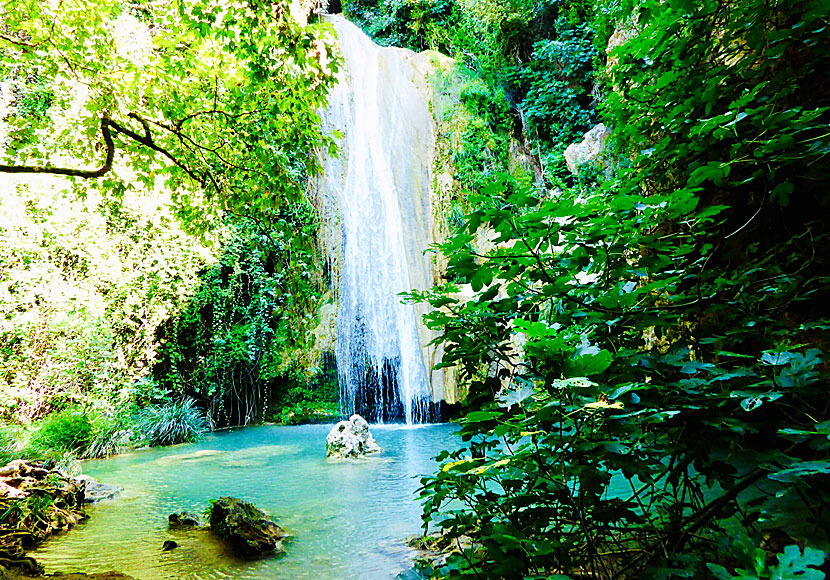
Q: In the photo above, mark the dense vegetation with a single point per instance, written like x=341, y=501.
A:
x=645, y=349
x=529, y=65
x=157, y=272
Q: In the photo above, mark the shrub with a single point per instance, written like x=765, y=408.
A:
x=171, y=423
x=8, y=449
x=666, y=416
x=111, y=435
x=67, y=430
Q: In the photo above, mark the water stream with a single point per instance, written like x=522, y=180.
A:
x=348, y=518
x=375, y=198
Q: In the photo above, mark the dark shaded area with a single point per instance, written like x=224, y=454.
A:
x=225, y=349
x=378, y=401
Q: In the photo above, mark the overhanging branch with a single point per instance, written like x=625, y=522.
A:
x=87, y=174
x=107, y=127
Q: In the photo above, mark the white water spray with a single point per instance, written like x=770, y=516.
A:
x=379, y=186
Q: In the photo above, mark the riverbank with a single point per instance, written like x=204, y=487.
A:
x=37, y=502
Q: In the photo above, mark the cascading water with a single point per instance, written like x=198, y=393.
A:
x=376, y=200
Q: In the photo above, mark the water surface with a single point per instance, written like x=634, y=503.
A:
x=348, y=518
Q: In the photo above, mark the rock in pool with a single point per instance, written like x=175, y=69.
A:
x=350, y=439
x=95, y=491
x=247, y=529
x=183, y=521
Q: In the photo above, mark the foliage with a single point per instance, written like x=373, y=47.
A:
x=416, y=25
x=791, y=563
x=31, y=511
x=170, y=423
x=200, y=118
x=8, y=446
x=112, y=433
x=557, y=84
x=84, y=285
x=220, y=98
x=646, y=353
x=300, y=400
x=536, y=56
x=71, y=433
x=67, y=430
x=252, y=310
x=473, y=134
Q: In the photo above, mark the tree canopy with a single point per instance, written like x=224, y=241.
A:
x=220, y=98
x=126, y=127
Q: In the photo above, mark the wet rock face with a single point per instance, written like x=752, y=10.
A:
x=350, y=439
x=247, y=529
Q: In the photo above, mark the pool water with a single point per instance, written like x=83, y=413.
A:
x=348, y=519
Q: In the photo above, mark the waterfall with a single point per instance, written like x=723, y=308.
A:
x=375, y=200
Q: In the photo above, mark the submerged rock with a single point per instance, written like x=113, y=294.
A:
x=183, y=521
x=351, y=439
x=434, y=549
x=247, y=529
x=95, y=491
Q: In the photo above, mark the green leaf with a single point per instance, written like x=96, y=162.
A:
x=793, y=564
x=589, y=364
x=800, y=470
x=482, y=416
x=781, y=193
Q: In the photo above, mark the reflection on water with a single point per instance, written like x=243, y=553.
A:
x=347, y=519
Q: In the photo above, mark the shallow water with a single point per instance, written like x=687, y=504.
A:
x=347, y=518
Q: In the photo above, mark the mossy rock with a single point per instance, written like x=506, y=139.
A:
x=247, y=529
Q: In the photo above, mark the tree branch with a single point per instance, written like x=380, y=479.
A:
x=107, y=126
x=86, y=174
x=147, y=141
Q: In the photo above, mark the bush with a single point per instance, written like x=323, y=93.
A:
x=111, y=435
x=654, y=403
x=8, y=449
x=171, y=423
x=67, y=430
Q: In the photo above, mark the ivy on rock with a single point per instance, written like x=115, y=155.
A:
x=248, y=324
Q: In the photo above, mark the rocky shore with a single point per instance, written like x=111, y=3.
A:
x=36, y=502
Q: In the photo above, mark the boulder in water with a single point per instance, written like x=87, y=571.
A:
x=95, y=491
x=183, y=521
x=247, y=529
x=350, y=439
